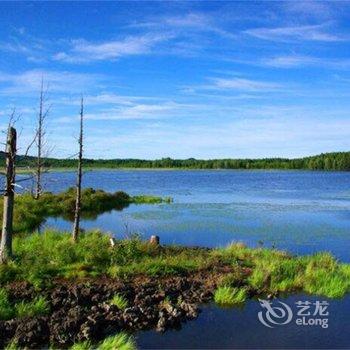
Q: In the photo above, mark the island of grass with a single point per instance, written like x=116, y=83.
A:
x=58, y=292
x=29, y=213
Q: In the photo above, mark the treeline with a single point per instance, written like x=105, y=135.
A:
x=326, y=161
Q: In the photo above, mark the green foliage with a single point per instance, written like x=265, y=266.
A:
x=119, y=301
x=39, y=306
x=228, y=296
x=326, y=161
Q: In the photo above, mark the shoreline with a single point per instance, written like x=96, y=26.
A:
x=21, y=171
x=92, y=289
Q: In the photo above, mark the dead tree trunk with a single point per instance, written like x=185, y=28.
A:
x=39, y=136
x=9, y=196
x=76, y=226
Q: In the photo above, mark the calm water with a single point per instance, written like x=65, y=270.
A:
x=240, y=329
x=302, y=212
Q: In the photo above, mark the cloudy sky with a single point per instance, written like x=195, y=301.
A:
x=180, y=79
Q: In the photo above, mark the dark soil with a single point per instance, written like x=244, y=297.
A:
x=80, y=310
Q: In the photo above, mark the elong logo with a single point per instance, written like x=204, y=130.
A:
x=281, y=314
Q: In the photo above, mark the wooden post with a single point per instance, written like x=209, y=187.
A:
x=76, y=226
x=9, y=196
x=154, y=240
x=112, y=241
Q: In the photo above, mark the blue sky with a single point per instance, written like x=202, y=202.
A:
x=180, y=79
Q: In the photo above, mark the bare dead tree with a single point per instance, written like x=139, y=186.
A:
x=40, y=133
x=39, y=141
x=76, y=225
x=9, y=195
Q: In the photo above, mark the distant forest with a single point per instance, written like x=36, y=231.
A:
x=326, y=161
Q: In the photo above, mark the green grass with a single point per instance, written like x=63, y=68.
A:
x=228, y=296
x=39, y=306
x=41, y=257
x=119, y=301
x=146, y=199
x=277, y=271
x=6, y=309
x=30, y=213
x=36, y=307
x=121, y=341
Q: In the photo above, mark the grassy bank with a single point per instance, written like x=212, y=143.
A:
x=41, y=258
x=62, y=292
x=30, y=213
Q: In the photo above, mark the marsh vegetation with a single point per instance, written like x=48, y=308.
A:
x=29, y=212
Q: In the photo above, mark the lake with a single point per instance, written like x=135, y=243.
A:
x=240, y=328
x=300, y=211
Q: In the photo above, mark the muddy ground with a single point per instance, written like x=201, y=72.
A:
x=80, y=310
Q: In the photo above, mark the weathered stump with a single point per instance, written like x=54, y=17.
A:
x=154, y=240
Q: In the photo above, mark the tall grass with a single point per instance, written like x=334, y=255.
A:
x=277, y=271
x=228, y=296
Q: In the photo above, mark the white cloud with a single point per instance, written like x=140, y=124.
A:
x=236, y=84
x=290, y=61
x=139, y=111
x=294, y=33
x=57, y=81
x=244, y=84
x=293, y=61
x=85, y=51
